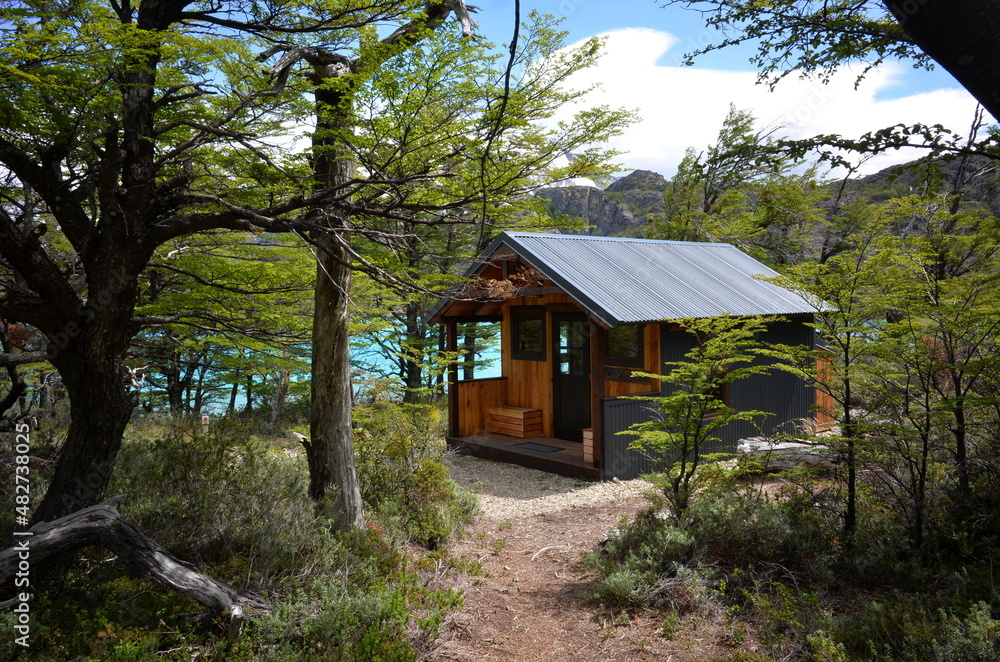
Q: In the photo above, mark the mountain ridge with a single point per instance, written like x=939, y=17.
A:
x=624, y=207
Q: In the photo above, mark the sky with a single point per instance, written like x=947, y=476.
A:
x=683, y=107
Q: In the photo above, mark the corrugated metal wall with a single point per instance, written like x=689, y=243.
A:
x=777, y=392
x=782, y=394
x=623, y=463
x=619, y=461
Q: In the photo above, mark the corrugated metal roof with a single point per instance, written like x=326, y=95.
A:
x=624, y=280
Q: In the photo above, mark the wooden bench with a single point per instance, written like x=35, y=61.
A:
x=521, y=422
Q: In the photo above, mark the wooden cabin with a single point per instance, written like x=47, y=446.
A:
x=578, y=316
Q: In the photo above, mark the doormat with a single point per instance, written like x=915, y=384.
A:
x=541, y=448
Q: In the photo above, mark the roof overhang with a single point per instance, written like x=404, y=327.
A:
x=645, y=281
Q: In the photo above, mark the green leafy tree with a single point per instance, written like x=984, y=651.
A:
x=822, y=37
x=849, y=314
x=906, y=311
x=445, y=137
x=218, y=306
x=138, y=125
x=954, y=253
x=740, y=191
x=710, y=183
x=693, y=412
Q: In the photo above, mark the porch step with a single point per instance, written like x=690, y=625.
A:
x=501, y=448
x=520, y=422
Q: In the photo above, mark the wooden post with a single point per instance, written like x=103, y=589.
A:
x=598, y=359
x=468, y=352
x=451, y=344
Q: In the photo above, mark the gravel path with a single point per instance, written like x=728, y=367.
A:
x=507, y=491
x=531, y=599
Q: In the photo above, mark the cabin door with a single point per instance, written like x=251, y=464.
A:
x=571, y=376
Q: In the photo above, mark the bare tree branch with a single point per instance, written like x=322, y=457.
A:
x=103, y=525
x=11, y=360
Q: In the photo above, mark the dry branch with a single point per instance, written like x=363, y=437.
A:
x=102, y=525
x=7, y=360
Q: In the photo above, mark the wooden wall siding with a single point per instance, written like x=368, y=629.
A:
x=651, y=354
x=475, y=397
x=529, y=383
x=825, y=404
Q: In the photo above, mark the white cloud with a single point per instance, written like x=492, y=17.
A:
x=684, y=106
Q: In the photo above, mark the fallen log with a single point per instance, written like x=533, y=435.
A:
x=102, y=525
x=782, y=455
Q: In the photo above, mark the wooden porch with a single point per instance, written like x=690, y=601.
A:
x=567, y=461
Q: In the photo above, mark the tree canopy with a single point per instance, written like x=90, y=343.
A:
x=818, y=38
x=822, y=37
x=126, y=127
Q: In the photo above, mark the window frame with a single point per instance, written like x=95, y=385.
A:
x=723, y=394
x=527, y=313
x=638, y=361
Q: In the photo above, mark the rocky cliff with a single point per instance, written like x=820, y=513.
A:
x=620, y=209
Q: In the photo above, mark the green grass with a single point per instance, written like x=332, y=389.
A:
x=233, y=501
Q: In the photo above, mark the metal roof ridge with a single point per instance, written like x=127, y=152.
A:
x=594, y=238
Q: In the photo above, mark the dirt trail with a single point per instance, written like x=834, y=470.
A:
x=531, y=601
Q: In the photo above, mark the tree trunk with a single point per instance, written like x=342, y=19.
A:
x=851, y=461
x=280, y=395
x=45, y=399
x=100, y=408
x=333, y=480
x=175, y=383
x=199, y=391
x=17, y=385
x=413, y=344
x=232, y=396
x=954, y=399
x=958, y=431
x=102, y=525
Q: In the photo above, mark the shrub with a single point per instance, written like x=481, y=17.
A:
x=355, y=601
x=101, y=615
x=404, y=482
x=651, y=562
x=235, y=504
x=364, y=611
x=218, y=497
x=908, y=629
x=736, y=550
x=824, y=649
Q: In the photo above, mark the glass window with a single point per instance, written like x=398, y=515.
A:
x=528, y=326
x=574, y=350
x=625, y=345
